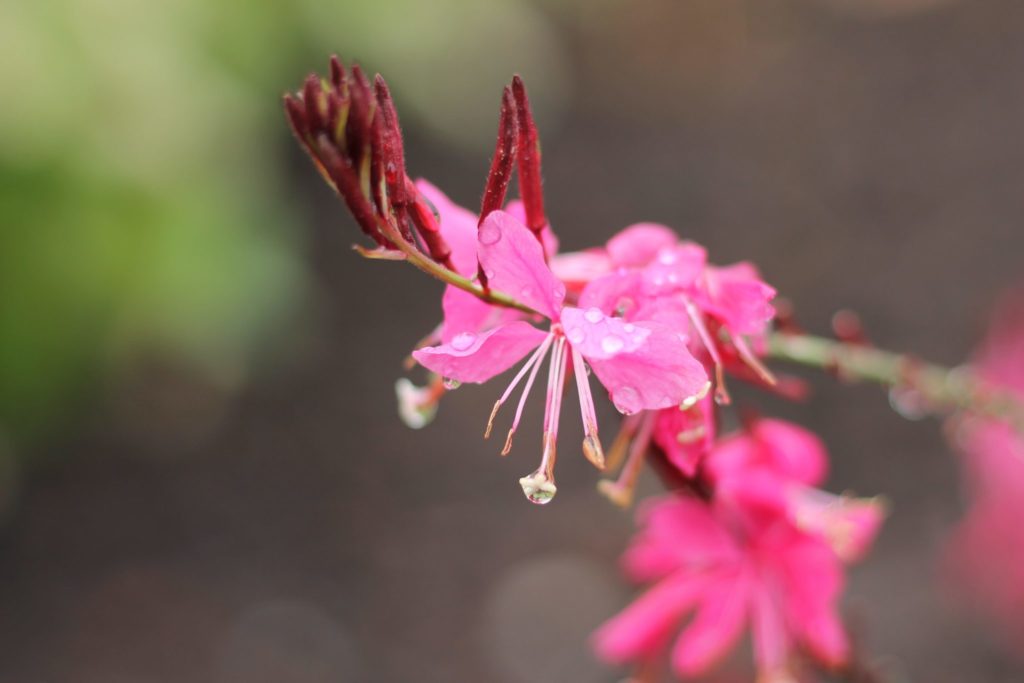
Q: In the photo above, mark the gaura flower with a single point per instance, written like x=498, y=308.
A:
x=775, y=580
x=644, y=365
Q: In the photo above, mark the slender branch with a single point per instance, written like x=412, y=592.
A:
x=936, y=389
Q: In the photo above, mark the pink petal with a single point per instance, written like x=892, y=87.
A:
x=577, y=269
x=518, y=211
x=644, y=366
x=513, y=262
x=675, y=269
x=637, y=245
x=813, y=581
x=458, y=227
x=848, y=524
x=715, y=628
x=677, y=532
x=686, y=436
x=772, y=643
x=464, y=312
x=736, y=295
x=643, y=628
x=794, y=452
x=613, y=293
x=471, y=357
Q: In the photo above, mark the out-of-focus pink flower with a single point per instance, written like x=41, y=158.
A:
x=777, y=581
x=644, y=365
x=985, y=553
x=771, y=469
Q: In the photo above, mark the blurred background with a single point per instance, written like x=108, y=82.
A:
x=202, y=473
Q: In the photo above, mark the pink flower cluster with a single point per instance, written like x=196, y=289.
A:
x=746, y=539
x=765, y=551
x=636, y=312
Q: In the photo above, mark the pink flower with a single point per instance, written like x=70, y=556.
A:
x=644, y=365
x=654, y=276
x=985, y=553
x=777, y=581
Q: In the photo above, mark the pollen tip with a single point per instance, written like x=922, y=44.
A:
x=593, y=452
x=490, y=420
x=508, y=443
x=616, y=493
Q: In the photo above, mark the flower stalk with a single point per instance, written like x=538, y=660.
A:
x=932, y=389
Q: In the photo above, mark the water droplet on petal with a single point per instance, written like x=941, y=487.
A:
x=593, y=315
x=666, y=257
x=576, y=335
x=626, y=400
x=538, y=487
x=489, y=234
x=488, y=273
x=525, y=292
x=463, y=341
x=451, y=384
x=612, y=344
x=629, y=328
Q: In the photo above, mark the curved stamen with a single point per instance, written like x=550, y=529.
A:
x=591, y=443
x=539, y=486
x=621, y=490
x=534, y=359
x=721, y=392
x=541, y=352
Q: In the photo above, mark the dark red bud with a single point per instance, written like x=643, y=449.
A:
x=504, y=157
x=392, y=150
x=337, y=73
x=315, y=101
x=530, y=182
x=296, y=113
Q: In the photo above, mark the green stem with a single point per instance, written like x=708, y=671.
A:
x=939, y=389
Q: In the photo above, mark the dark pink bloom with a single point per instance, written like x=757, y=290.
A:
x=644, y=365
x=777, y=581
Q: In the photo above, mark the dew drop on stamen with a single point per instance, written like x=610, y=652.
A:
x=593, y=315
x=451, y=384
x=575, y=335
x=612, y=344
x=463, y=341
x=489, y=234
x=538, y=488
